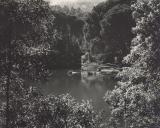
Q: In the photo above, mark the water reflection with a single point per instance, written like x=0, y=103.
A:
x=80, y=86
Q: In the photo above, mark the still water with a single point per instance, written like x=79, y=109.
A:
x=80, y=86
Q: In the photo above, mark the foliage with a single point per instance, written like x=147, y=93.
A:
x=23, y=41
x=31, y=109
x=135, y=101
x=111, y=22
x=31, y=36
x=24, y=24
x=68, y=35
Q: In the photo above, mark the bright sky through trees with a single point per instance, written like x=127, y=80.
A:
x=65, y=2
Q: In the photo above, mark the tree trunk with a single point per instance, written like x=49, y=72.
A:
x=7, y=97
x=8, y=73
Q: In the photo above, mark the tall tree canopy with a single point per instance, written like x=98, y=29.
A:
x=68, y=35
x=111, y=23
x=23, y=40
x=135, y=102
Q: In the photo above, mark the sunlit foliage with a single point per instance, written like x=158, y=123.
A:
x=135, y=101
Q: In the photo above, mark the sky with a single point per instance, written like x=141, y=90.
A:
x=65, y=2
x=86, y=5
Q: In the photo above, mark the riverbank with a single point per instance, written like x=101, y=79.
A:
x=106, y=69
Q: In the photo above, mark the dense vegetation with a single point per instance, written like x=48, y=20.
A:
x=68, y=36
x=36, y=38
x=135, y=102
x=32, y=34
x=108, y=30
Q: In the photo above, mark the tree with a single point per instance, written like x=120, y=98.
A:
x=29, y=35
x=135, y=101
x=23, y=36
x=68, y=35
x=111, y=21
x=116, y=30
x=35, y=110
